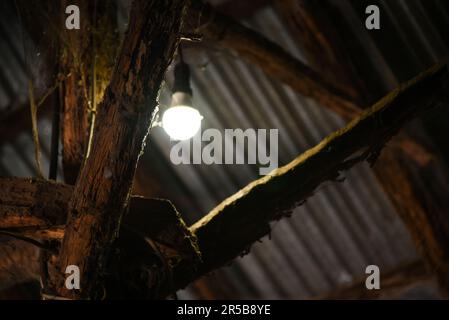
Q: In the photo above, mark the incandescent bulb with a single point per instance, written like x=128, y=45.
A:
x=181, y=122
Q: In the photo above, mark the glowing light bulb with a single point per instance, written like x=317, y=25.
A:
x=181, y=121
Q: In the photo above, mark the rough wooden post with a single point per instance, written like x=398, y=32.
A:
x=124, y=117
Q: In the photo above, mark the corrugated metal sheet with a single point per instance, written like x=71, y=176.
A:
x=329, y=240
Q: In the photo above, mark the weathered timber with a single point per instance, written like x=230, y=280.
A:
x=20, y=208
x=153, y=236
x=30, y=204
x=102, y=189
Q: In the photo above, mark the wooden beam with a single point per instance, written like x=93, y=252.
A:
x=152, y=232
x=124, y=118
x=19, y=207
x=32, y=206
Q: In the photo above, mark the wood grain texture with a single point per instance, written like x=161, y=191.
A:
x=153, y=238
x=32, y=203
x=102, y=189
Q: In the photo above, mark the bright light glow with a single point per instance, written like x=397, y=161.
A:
x=181, y=122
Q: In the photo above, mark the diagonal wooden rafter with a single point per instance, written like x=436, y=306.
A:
x=273, y=197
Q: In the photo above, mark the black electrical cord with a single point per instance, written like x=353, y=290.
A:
x=182, y=75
